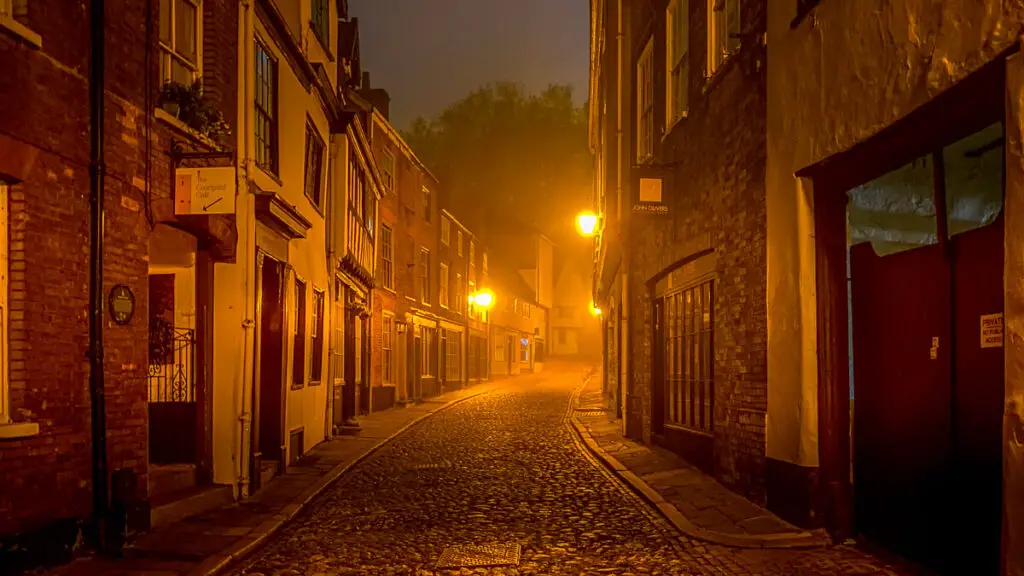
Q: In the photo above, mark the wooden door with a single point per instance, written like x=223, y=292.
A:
x=270, y=416
x=902, y=356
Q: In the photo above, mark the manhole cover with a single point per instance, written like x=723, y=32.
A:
x=473, y=556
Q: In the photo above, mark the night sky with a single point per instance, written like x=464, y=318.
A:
x=430, y=53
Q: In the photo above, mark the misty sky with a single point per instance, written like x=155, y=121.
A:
x=430, y=53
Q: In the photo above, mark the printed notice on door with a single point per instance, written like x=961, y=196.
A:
x=992, y=331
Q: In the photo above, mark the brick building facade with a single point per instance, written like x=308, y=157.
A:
x=45, y=126
x=691, y=319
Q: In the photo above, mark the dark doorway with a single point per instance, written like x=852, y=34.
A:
x=927, y=304
x=173, y=410
x=513, y=353
x=363, y=363
x=269, y=421
x=416, y=374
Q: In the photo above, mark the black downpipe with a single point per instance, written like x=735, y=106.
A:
x=97, y=170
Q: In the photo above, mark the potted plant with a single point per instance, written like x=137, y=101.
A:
x=188, y=103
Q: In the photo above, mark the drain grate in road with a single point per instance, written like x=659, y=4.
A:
x=591, y=411
x=442, y=465
x=482, y=556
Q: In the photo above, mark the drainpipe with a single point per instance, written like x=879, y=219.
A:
x=247, y=382
x=97, y=169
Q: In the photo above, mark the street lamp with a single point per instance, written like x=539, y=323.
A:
x=483, y=299
x=594, y=310
x=586, y=223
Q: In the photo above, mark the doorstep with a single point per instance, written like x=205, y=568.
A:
x=209, y=542
x=696, y=503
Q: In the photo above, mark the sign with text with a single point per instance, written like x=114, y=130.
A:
x=204, y=190
x=992, y=331
x=650, y=197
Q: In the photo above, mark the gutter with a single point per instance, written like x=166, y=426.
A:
x=97, y=171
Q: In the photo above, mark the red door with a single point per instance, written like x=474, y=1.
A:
x=901, y=342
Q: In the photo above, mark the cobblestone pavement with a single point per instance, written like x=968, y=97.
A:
x=504, y=468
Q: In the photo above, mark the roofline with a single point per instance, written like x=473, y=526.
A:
x=406, y=149
x=597, y=27
x=452, y=217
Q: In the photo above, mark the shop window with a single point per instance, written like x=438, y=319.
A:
x=453, y=356
x=689, y=356
x=387, y=337
x=524, y=350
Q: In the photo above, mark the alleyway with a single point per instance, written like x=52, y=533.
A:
x=504, y=468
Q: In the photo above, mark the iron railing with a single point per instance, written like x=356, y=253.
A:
x=172, y=363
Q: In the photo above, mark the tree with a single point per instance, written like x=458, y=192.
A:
x=507, y=158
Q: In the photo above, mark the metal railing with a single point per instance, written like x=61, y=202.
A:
x=172, y=363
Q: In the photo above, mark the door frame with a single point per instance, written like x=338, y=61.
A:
x=255, y=451
x=968, y=106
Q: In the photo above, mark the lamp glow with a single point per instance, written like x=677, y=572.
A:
x=484, y=298
x=586, y=223
x=594, y=309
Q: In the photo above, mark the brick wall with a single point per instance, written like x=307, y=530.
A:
x=44, y=148
x=716, y=199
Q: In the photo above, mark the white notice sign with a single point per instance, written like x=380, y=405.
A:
x=204, y=190
x=992, y=331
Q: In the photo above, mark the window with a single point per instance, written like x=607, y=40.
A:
x=442, y=290
x=688, y=342
x=179, y=40
x=319, y=20
x=472, y=254
x=314, y=165
x=453, y=356
x=362, y=201
x=460, y=294
x=526, y=309
x=316, y=357
x=425, y=276
x=426, y=204
x=524, y=350
x=266, y=109
x=472, y=306
x=387, y=337
x=723, y=32
x=299, y=336
x=459, y=239
x=678, y=60
x=645, y=103
x=338, y=336
x=388, y=170
x=428, y=362
x=499, y=349
x=446, y=231
x=387, y=269
x=515, y=305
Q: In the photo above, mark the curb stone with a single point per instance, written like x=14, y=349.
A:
x=803, y=539
x=217, y=563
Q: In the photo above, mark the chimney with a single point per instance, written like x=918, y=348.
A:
x=377, y=97
x=366, y=82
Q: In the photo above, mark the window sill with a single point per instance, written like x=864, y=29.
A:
x=167, y=118
x=23, y=33
x=16, y=430
x=315, y=206
x=323, y=44
x=716, y=77
x=672, y=125
x=313, y=383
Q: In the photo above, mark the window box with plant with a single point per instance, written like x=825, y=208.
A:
x=189, y=104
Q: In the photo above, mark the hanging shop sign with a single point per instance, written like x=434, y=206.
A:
x=651, y=201
x=204, y=191
x=122, y=304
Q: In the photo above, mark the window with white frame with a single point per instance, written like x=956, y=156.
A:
x=446, y=231
x=180, y=25
x=458, y=241
x=387, y=166
x=645, y=103
x=387, y=258
x=723, y=32
x=524, y=350
x=425, y=276
x=266, y=109
x=460, y=294
x=442, y=291
x=387, y=338
x=677, y=24
x=471, y=308
x=316, y=358
x=453, y=356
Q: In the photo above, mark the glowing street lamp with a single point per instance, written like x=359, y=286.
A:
x=594, y=309
x=483, y=299
x=586, y=223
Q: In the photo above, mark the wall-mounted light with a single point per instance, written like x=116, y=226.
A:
x=483, y=299
x=594, y=309
x=586, y=223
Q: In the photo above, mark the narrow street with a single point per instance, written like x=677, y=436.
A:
x=504, y=468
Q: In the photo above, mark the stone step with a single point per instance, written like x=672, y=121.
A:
x=175, y=506
x=167, y=479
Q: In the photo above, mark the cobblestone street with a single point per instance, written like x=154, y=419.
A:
x=503, y=468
